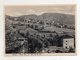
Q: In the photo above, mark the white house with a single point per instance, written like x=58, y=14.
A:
x=68, y=43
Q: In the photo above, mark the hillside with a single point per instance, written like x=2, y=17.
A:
x=57, y=17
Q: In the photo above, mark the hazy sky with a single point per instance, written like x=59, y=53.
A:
x=26, y=10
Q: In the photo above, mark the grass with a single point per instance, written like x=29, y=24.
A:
x=58, y=30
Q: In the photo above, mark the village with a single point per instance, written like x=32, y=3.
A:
x=37, y=36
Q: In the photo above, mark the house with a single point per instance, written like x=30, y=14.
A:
x=68, y=43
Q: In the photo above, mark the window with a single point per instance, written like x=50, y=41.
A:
x=66, y=47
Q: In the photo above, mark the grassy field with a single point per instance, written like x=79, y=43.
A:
x=58, y=30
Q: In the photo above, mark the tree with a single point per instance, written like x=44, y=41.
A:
x=71, y=49
x=51, y=35
x=41, y=22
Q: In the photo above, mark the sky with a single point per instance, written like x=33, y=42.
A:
x=39, y=9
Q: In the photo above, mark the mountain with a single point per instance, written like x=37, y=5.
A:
x=62, y=18
x=47, y=17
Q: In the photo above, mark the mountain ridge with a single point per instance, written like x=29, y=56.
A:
x=46, y=17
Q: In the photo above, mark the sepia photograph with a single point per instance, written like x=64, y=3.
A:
x=40, y=29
